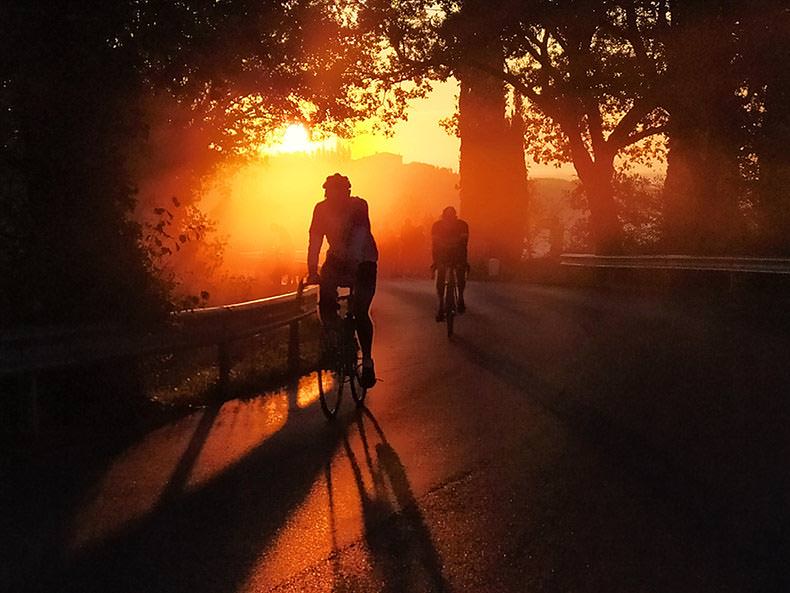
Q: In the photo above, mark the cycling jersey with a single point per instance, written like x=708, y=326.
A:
x=345, y=224
x=450, y=238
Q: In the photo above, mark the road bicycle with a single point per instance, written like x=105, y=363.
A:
x=452, y=296
x=341, y=364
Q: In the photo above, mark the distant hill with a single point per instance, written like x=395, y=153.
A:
x=551, y=189
x=398, y=191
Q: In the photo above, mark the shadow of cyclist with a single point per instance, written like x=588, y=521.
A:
x=398, y=539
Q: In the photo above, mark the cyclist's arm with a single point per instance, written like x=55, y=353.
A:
x=361, y=216
x=314, y=245
x=362, y=245
x=463, y=239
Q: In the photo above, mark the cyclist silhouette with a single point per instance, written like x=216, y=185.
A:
x=350, y=261
x=449, y=237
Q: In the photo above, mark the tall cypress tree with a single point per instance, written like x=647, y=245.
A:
x=492, y=169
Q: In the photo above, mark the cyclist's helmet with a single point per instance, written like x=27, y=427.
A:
x=337, y=181
x=449, y=213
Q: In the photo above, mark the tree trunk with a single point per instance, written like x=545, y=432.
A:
x=492, y=169
x=605, y=228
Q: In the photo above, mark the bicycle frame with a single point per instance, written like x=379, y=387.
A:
x=451, y=297
x=344, y=366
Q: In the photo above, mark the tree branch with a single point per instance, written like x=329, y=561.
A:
x=544, y=103
x=634, y=37
x=622, y=131
x=533, y=48
x=646, y=133
x=595, y=124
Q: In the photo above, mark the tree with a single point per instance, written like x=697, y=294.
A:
x=705, y=133
x=590, y=68
x=727, y=94
x=492, y=169
x=68, y=113
x=247, y=66
x=765, y=53
x=75, y=81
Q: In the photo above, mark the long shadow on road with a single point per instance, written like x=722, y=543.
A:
x=401, y=549
x=205, y=540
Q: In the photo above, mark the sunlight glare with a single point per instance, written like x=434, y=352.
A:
x=295, y=138
x=307, y=390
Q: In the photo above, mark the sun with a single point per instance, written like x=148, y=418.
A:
x=296, y=138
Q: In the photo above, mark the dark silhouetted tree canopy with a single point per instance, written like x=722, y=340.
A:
x=604, y=77
x=75, y=80
x=601, y=78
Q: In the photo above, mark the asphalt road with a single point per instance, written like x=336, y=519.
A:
x=565, y=440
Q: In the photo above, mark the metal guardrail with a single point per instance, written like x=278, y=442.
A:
x=29, y=352
x=750, y=265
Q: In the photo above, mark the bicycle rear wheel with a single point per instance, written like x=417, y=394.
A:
x=358, y=392
x=332, y=377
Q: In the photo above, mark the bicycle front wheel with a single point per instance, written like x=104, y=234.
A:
x=358, y=392
x=331, y=385
x=450, y=303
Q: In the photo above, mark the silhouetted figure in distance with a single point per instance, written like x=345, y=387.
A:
x=449, y=238
x=350, y=261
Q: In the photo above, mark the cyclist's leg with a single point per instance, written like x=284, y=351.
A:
x=327, y=293
x=364, y=289
x=441, y=274
x=460, y=275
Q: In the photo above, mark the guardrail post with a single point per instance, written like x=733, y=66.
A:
x=293, y=346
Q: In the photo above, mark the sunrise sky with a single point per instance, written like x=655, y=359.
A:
x=419, y=139
x=422, y=139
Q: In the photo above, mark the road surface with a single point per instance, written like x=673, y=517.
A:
x=565, y=440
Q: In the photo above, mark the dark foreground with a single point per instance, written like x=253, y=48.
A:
x=564, y=441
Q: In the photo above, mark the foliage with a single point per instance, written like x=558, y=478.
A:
x=590, y=70
x=608, y=80
x=188, y=233
x=640, y=202
x=82, y=87
x=245, y=66
x=68, y=116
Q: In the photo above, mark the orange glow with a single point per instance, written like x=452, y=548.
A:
x=241, y=427
x=307, y=391
x=264, y=208
x=295, y=139
x=258, y=209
